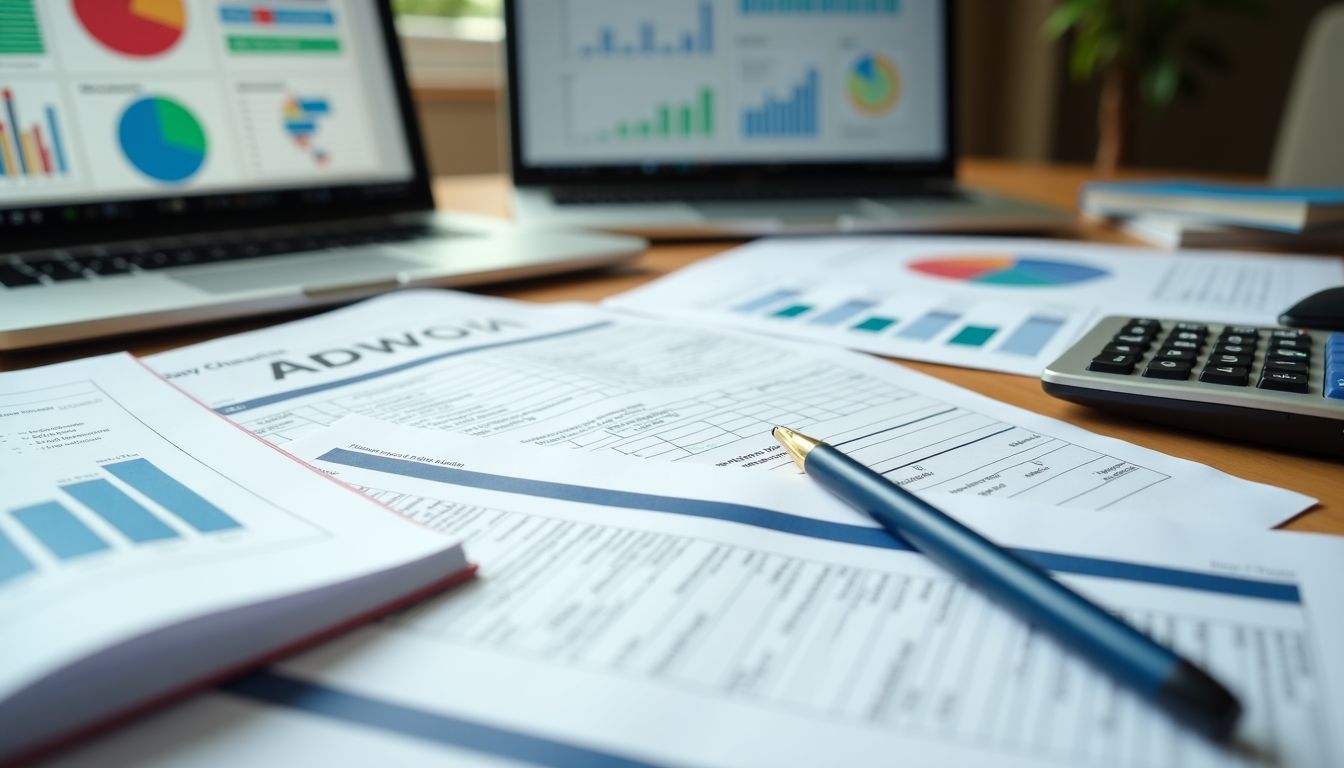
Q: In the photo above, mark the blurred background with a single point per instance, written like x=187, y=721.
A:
x=1017, y=98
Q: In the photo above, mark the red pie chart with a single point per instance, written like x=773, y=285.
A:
x=133, y=27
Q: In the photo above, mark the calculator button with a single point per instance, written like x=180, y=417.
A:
x=1121, y=364
x=1288, y=354
x=1146, y=322
x=1123, y=349
x=1242, y=330
x=1225, y=374
x=1234, y=349
x=1239, y=338
x=1287, y=333
x=1290, y=366
x=1237, y=360
x=1167, y=353
x=1192, y=327
x=1124, y=338
x=1193, y=346
x=1283, y=381
x=1138, y=330
x=1168, y=369
x=1186, y=336
x=1303, y=344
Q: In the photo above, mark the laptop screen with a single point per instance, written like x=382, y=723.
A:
x=665, y=83
x=109, y=105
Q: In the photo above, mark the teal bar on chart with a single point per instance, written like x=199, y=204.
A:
x=973, y=336
x=13, y=562
x=875, y=324
x=120, y=511
x=793, y=310
x=59, y=530
x=172, y=495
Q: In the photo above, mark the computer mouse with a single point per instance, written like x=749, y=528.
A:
x=1323, y=310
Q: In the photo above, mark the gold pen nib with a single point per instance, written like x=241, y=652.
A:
x=796, y=443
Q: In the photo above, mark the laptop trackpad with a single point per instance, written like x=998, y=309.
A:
x=334, y=269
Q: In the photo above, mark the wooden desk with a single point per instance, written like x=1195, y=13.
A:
x=1052, y=185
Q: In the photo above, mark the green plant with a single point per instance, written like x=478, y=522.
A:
x=1143, y=49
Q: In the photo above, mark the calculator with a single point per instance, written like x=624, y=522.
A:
x=1279, y=386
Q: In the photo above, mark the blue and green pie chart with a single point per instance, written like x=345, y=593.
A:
x=1008, y=270
x=162, y=139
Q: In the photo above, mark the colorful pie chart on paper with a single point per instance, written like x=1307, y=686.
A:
x=1009, y=270
x=134, y=27
x=162, y=139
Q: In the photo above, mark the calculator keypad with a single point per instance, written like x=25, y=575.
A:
x=1228, y=359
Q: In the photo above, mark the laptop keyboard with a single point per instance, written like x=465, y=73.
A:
x=632, y=195
x=47, y=267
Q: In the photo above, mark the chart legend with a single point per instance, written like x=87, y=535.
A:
x=1008, y=270
x=137, y=28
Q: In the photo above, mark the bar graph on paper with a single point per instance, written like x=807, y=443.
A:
x=946, y=328
x=109, y=497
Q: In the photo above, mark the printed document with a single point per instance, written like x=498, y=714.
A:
x=633, y=614
x=142, y=538
x=582, y=378
x=999, y=304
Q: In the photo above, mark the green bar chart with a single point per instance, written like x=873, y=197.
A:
x=20, y=34
x=669, y=120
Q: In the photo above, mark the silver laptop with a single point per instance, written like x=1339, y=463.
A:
x=164, y=163
x=685, y=118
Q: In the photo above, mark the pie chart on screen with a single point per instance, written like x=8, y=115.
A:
x=136, y=28
x=1008, y=270
x=162, y=139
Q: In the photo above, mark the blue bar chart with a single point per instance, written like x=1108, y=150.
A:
x=649, y=38
x=795, y=115
x=925, y=327
x=135, y=504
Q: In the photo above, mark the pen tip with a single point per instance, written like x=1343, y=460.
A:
x=796, y=443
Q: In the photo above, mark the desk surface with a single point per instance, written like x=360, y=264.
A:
x=1052, y=185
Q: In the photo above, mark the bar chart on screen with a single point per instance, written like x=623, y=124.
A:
x=33, y=143
x=107, y=494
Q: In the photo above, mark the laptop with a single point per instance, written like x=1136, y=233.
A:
x=180, y=161
x=688, y=118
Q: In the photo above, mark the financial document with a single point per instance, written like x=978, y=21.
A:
x=128, y=512
x=631, y=614
x=577, y=377
x=1003, y=305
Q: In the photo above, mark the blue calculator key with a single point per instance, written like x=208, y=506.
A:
x=1334, y=366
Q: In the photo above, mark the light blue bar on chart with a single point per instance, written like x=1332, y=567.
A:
x=12, y=560
x=1032, y=336
x=59, y=530
x=120, y=511
x=173, y=496
x=929, y=325
x=769, y=299
x=840, y=314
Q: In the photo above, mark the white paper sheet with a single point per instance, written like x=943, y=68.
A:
x=635, y=614
x=129, y=508
x=578, y=377
x=998, y=304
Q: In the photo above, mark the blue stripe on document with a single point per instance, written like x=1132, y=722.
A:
x=802, y=526
x=272, y=688
x=293, y=393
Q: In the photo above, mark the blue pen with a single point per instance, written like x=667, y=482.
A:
x=1135, y=660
